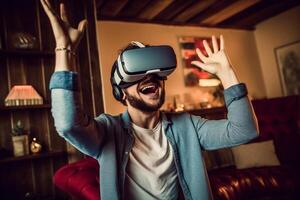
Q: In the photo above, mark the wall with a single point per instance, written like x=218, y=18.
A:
x=274, y=32
x=240, y=47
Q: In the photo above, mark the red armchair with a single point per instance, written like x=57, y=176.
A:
x=80, y=179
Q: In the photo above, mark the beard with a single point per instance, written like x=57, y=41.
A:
x=142, y=105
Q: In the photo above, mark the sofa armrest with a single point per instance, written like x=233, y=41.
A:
x=80, y=179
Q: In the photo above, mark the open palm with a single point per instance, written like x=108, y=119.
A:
x=65, y=35
x=217, y=61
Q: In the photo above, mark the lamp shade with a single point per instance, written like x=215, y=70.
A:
x=21, y=95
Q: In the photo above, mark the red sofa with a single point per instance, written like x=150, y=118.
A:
x=279, y=119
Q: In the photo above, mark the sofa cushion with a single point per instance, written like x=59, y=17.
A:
x=255, y=155
x=218, y=158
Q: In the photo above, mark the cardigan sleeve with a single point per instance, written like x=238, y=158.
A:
x=82, y=131
x=239, y=127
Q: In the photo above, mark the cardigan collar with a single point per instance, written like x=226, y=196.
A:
x=126, y=120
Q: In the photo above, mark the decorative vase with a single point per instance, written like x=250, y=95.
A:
x=35, y=146
x=20, y=145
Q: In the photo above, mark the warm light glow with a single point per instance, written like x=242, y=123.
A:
x=209, y=82
x=23, y=95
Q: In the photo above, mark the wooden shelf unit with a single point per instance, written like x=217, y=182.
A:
x=50, y=154
x=26, y=53
x=27, y=107
x=35, y=67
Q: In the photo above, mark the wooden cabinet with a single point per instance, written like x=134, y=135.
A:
x=30, y=177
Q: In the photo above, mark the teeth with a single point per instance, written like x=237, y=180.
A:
x=143, y=89
x=147, y=87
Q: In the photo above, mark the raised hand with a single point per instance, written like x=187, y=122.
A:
x=217, y=62
x=65, y=35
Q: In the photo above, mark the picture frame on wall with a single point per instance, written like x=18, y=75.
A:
x=288, y=62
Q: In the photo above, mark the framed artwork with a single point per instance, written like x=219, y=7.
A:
x=288, y=62
x=194, y=76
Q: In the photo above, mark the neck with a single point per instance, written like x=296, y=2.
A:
x=144, y=119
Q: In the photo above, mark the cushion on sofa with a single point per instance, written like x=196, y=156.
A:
x=255, y=155
x=219, y=158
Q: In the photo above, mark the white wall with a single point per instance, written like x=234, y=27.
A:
x=274, y=32
x=240, y=46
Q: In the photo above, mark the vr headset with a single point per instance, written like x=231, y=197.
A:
x=134, y=64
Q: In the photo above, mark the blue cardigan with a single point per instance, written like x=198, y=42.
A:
x=109, y=139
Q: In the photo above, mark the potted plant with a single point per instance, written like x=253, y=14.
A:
x=20, y=140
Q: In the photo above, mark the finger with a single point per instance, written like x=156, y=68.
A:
x=211, y=68
x=207, y=48
x=49, y=6
x=201, y=56
x=222, y=42
x=48, y=10
x=63, y=13
x=82, y=25
x=215, y=44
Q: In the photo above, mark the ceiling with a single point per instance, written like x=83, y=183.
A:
x=239, y=14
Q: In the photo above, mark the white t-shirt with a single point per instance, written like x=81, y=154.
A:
x=151, y=172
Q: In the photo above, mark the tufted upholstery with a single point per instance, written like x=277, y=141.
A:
x=277, y=116
x=279, y=119
x=280, y=182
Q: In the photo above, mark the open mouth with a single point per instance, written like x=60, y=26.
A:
x=149, y=88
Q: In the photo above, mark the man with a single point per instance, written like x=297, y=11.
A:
x=144, y=153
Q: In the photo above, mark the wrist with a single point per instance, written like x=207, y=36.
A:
x=229, y=78
x=67, y=49
x=64, y=61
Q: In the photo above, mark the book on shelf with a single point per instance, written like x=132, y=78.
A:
x=22, y=95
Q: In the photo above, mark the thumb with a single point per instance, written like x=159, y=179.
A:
x=211, y=68
x=82, y=25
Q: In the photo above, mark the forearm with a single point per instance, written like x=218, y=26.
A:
x=64, y=61
x=71, y=122
x=242, y=123
x=242, y=119
x=229, y=79
x=240, y=113
x=240, y=127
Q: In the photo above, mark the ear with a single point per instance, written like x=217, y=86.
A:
x=124, y=102
x=124, y=95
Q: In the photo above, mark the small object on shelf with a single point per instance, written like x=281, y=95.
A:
x=22, y=40
x=35, y=147
x=21, y=95
x=204, y=103
x=178, y=105
x=20, y=140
